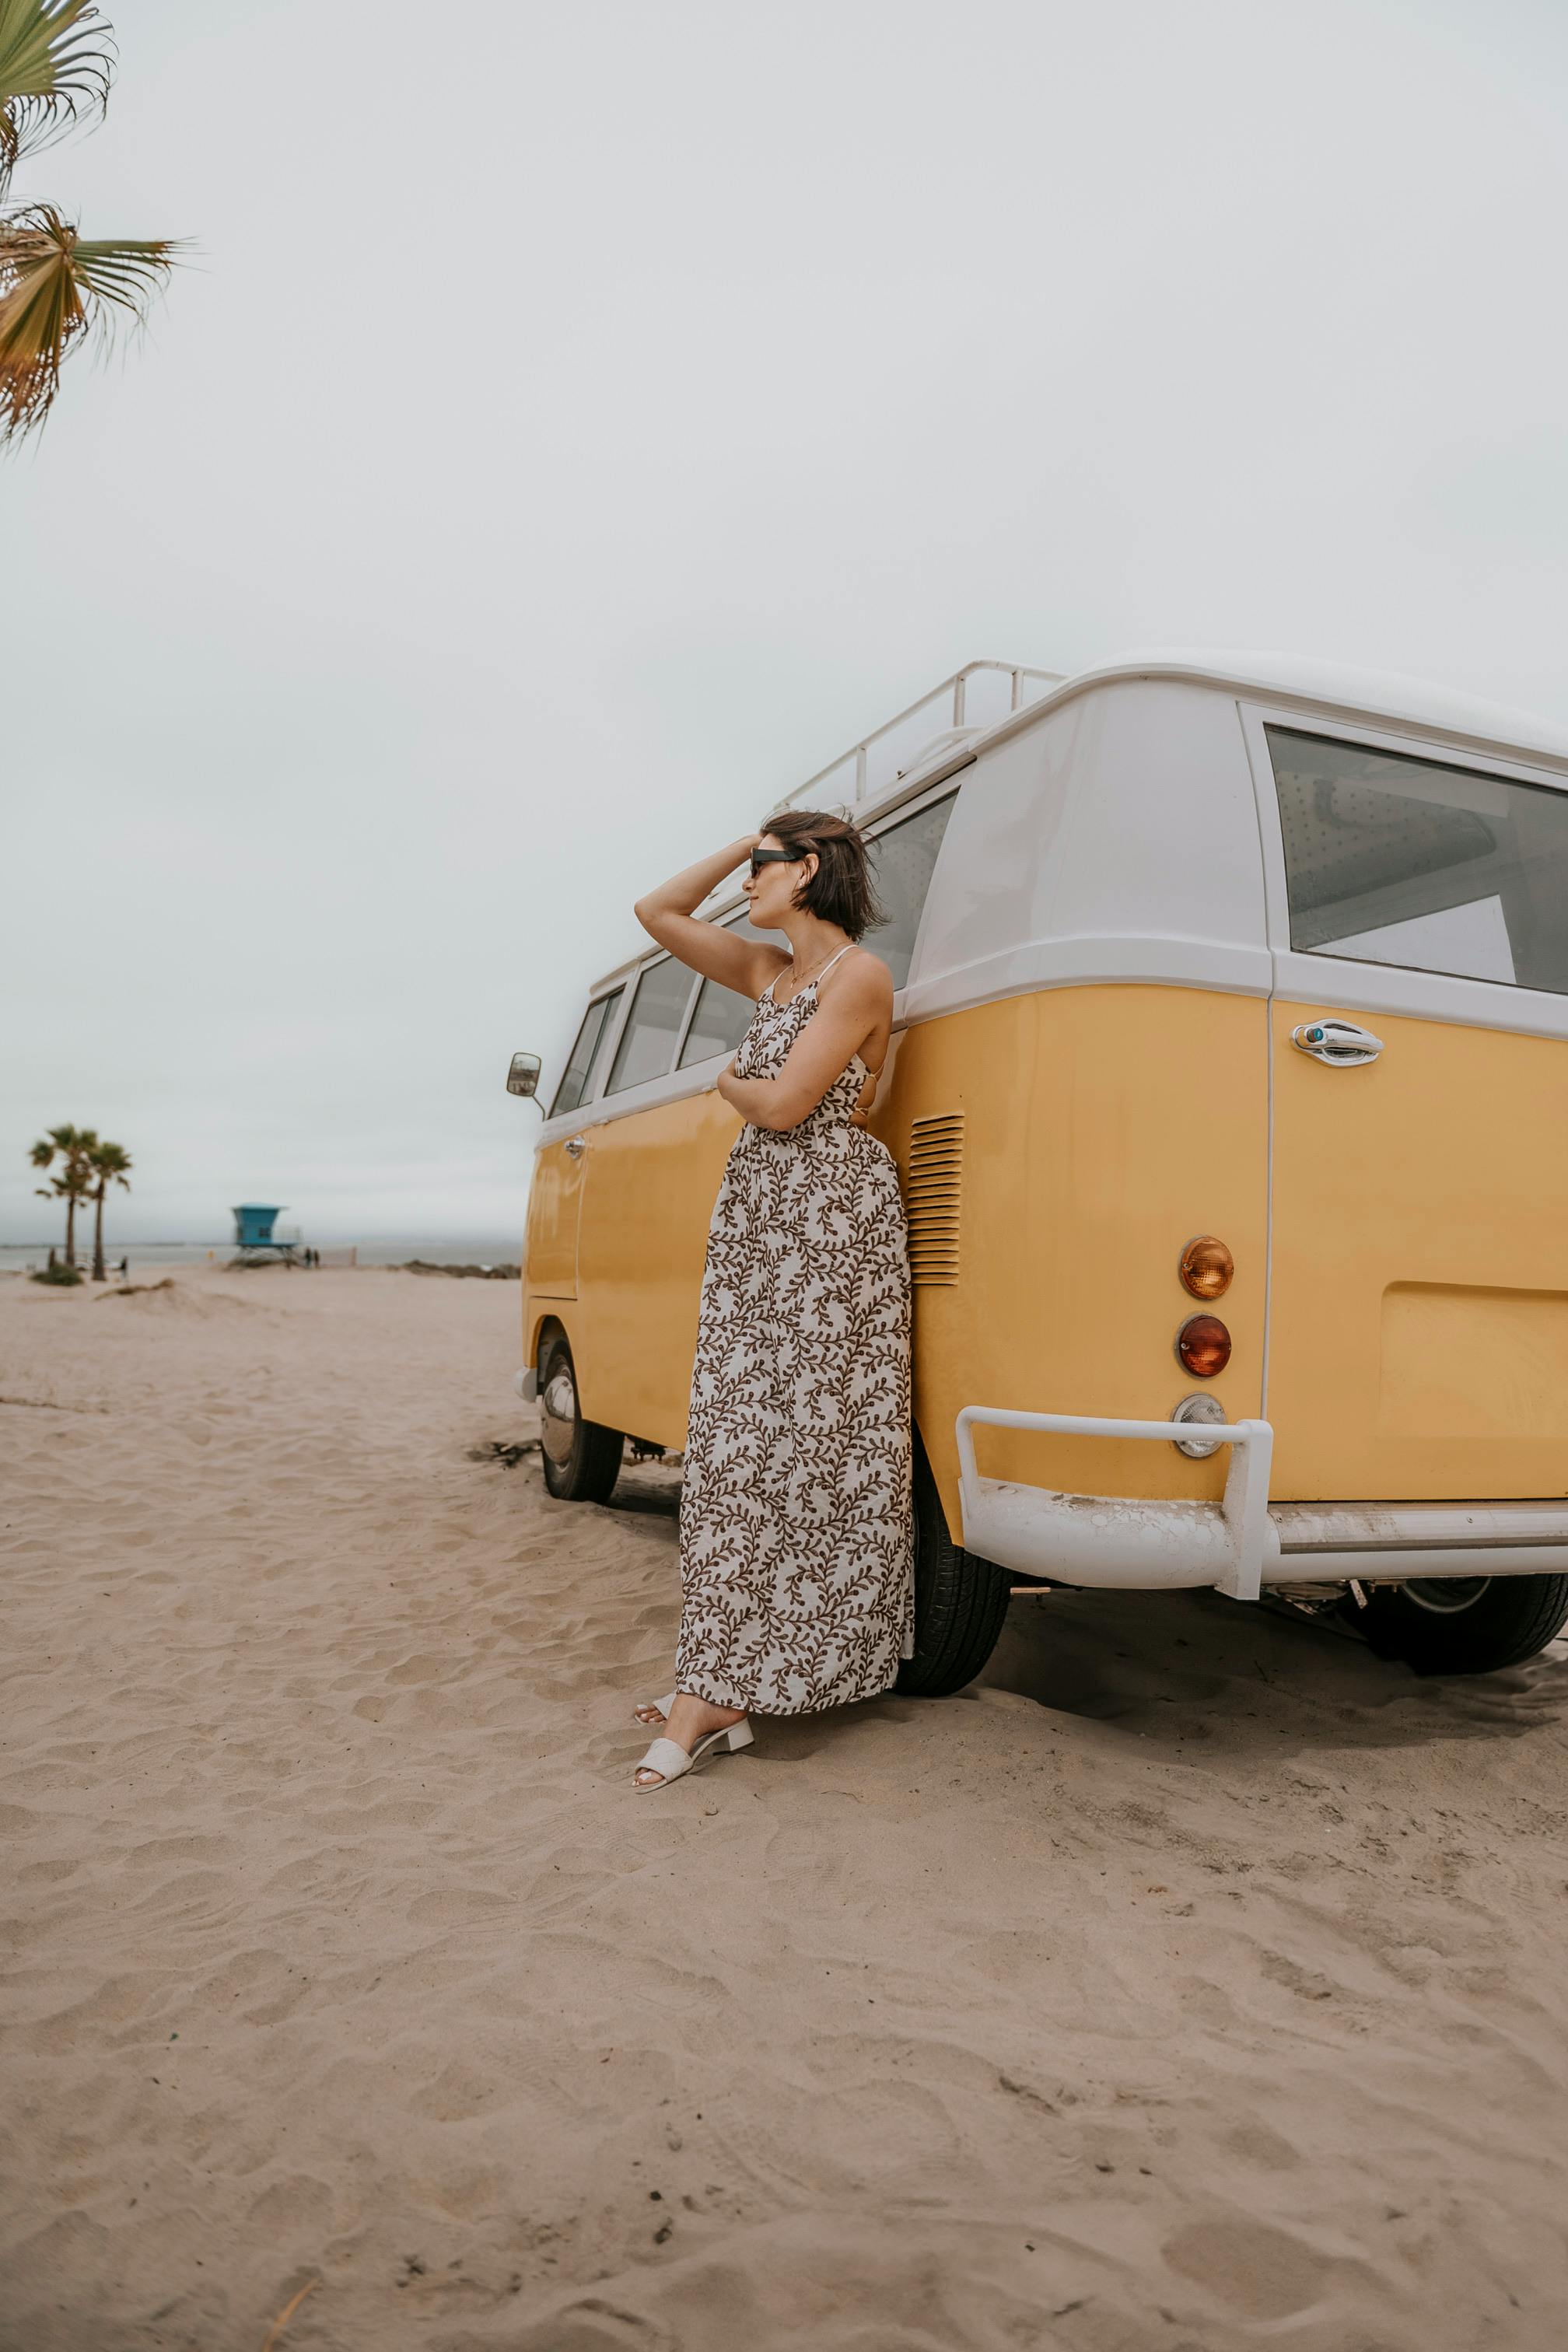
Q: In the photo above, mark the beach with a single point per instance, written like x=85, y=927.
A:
x=1190, y=1983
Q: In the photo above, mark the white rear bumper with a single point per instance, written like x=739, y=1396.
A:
x=1242, y=1542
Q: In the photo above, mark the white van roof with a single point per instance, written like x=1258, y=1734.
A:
x=1326, y=688
x=1331, y=686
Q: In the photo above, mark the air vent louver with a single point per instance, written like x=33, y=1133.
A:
x=932, y=1192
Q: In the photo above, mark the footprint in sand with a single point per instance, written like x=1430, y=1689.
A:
x=1250, y=2265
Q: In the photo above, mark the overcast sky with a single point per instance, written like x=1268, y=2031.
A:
x=583, y=421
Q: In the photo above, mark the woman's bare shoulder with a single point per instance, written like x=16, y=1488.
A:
x=868, y=975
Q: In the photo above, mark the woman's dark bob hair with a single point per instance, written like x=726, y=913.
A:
x=840, y=890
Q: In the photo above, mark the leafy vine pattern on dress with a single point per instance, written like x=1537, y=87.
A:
x=796, y=1537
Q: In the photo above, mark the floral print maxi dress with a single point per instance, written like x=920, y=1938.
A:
x=795, y=1531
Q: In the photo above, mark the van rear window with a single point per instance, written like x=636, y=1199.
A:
x=903, y=860
x=1394, y=860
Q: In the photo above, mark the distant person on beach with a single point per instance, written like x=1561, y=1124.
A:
x=124, y=1267
x=796, y=1536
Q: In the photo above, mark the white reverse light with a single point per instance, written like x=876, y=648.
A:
x=1198, y=1407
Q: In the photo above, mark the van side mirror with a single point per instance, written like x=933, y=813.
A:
x=522, y=1077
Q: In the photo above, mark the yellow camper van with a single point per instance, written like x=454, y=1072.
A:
x=1229, y=1095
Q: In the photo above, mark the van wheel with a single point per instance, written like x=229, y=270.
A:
x=581, y=1458
x=1463, y=1624
x=960, y=1600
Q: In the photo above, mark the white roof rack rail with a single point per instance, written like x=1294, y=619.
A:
x=974, y=698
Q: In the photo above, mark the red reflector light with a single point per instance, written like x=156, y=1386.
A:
x=1203, y=1343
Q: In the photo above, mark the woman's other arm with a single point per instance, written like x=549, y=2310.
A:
x=859, y=1005
x=711, y=948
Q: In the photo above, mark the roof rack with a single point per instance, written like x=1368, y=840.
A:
x=974, y=698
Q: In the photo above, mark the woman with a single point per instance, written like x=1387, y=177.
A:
x=795, y=1532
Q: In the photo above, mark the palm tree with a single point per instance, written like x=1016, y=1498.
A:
x=73, y=1147
x=111, y=1163
x=56, y=61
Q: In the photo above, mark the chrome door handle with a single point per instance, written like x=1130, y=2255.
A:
x=1340, y=1044
x=574, y=1147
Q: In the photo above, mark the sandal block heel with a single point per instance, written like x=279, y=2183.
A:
x=668, y=1757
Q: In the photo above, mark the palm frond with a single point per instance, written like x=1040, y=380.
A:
x=71, y=1184
x=72, y=1142
x=54, y=286
x=111, y=1163
x=56, y=61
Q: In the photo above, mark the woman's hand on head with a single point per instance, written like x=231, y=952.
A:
x=717, y=951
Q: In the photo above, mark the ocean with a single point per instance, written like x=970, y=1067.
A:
x=24, y=1257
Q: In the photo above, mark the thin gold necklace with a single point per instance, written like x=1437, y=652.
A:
x=799, y=982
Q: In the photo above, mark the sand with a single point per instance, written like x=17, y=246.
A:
x=1193, y=1983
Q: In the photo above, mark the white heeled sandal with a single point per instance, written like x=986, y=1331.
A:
x=668, y=1756
x=663, y=1705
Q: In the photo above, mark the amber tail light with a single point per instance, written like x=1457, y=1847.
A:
x=1207, y=1266
x=1203, y=1343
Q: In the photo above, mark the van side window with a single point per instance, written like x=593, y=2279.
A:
x=1394, y=860
x=902, y=861
x=647, y=1043
x=723, y=1016
x=580, y=1078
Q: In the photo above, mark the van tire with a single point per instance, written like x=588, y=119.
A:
x=588, y=1471
x=960, y=1600
x=1507, y=1620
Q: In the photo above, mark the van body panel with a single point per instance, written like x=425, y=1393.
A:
x=1146, y=1107
x=1104, y=1127
x=554, y=1201
x=541, y=1314
x=1418, y=1341
x=652, y=1180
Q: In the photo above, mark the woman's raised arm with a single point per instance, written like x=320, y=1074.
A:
x=711, y=948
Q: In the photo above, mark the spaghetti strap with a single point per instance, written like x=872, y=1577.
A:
x=828, y=967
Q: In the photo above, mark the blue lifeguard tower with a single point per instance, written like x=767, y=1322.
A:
x=253, y=1223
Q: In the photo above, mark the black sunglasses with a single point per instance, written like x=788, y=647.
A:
x=761, y=857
